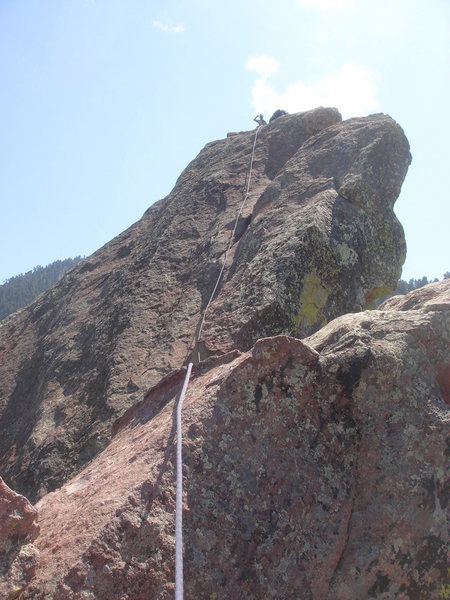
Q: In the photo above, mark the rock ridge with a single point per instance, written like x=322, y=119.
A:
x=318, y=238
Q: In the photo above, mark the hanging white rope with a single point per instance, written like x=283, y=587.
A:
x=179, y=582
x=230, y=243
x=179, y=496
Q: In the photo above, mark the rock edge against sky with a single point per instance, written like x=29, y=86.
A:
x=317, y=238
x=314, y=430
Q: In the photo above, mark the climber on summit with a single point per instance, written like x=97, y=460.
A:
x=277, y=114
x=260, y=120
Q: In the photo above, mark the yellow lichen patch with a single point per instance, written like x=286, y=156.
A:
x=377, y=292
x=312, y=300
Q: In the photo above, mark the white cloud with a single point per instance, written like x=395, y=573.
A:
x=328, y=4
x=322, y=38
x=263, y=65
x=164, y=27
x=352, y=90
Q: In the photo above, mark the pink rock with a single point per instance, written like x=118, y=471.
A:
x=313, y=469
x=18, y=528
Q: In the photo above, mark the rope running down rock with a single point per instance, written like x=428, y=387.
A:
x=230, y=243
x=179, y=581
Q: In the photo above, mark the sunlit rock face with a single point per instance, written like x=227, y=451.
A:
x=314, y=468
x=314, y=429
x=317, y=238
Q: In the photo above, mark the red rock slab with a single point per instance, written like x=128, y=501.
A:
x=18, y=528
x=313, y=469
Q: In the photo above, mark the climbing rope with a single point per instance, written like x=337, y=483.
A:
x=179, y=496
x=179, y=582
x=230, y=243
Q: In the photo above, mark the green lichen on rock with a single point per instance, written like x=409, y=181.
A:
x=386, y=242
x=307, y=285
x=313, y=300
x=376, y=293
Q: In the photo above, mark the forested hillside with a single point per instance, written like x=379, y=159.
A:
x=404, y=287
x=20, y=290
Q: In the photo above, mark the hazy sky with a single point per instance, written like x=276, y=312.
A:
x=104, y=102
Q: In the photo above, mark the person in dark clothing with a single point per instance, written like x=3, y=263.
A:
x=276, y=114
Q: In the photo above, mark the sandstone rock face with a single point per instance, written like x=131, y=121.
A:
x=317, y=238
x=18, y=528
x=314, y=469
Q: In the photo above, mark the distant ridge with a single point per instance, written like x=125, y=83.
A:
x=16, y=292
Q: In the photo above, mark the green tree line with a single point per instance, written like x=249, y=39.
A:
x=404, y=287
x=20, y=290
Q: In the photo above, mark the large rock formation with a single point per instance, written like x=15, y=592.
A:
x=315, y=469
x=317, y=238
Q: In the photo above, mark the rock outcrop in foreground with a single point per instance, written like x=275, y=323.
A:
x=315, y=469
x=318, y=238
x=18, y=528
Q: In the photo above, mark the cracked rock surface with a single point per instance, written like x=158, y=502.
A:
x=314, y=469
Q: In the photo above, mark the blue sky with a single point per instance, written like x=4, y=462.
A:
x=104, y=102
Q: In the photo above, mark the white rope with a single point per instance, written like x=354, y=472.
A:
x=230, y=243
x=179, y=582
x=179, y=496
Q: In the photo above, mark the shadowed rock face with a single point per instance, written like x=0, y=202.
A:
x=314, y=469
x=317, y=238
